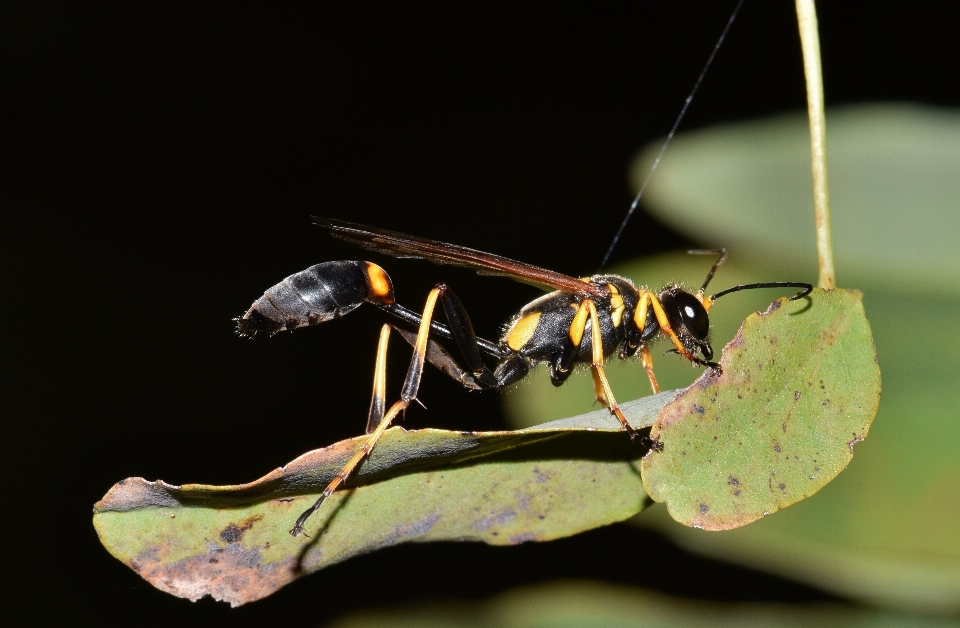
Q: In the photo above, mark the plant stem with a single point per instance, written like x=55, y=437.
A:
x=810, y=43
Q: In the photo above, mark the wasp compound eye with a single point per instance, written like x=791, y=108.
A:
x=693, y=315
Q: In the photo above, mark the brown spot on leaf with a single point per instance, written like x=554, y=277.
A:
x=737, y=341
x=233, y=574
x=234, y=532
x=850, y=444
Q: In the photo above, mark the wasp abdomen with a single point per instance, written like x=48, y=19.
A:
x=318, y=294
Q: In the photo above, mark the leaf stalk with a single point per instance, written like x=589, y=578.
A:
x=810, y=43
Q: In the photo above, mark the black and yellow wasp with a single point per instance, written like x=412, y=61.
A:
x=580, y=321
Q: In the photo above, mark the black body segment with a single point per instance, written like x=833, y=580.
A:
x=316, y=295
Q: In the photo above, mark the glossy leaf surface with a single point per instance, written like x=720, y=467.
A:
x=502, y=488
x=800, y=386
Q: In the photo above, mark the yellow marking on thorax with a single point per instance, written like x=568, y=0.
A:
x=578, y=325
x=616, y=305
x=522, y=331
x=379, y=282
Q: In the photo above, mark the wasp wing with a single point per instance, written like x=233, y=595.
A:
x=397, y=244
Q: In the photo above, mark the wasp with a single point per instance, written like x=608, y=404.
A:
x=579, y=321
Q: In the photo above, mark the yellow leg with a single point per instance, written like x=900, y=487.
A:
x=647, y=361
x=378, y=399
x=348, y=468
x=410, y=386
x=597, y=365
x=598, y=388
x=641, y=317
x=412, y=383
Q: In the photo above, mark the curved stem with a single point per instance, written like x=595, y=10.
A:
x=810, y=42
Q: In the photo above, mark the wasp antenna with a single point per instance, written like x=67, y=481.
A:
x=720, y=260
x=807, y=288
x=673, y=131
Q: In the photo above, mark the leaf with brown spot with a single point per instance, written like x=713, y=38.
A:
x=502, y=488
x=800, y=386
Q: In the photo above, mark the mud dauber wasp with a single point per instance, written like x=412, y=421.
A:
x=558, y=329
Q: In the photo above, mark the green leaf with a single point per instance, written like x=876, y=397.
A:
x=893, y=189
x=502, y=488
x=887, y=530
x=800, y=386
x=586, y=604
x=536, y=484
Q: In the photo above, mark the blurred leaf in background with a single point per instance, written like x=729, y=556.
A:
x=894, y=190
x=580, y=604
x=887, y=530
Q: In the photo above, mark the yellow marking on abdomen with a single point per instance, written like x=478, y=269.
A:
x=380, y=284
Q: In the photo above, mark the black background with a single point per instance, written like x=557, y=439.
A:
x=159, y=167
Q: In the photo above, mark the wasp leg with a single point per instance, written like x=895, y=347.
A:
x=377, y=422
x=647, y=361
x=511, y=369
x=647, y=297
x=645, y=357
x=409, y=392
x=442, y=360
x=395, y=309
x=462, y=329
x=378, y=398
x=598, y=388
x=348, y=468
x=588, y=310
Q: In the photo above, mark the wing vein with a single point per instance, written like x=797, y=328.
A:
x=397, y=244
